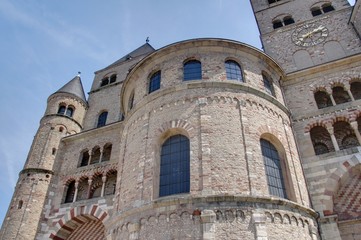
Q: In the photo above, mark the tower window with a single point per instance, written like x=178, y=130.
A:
x=192, y=70
x=268, y=85
x=131, y=101
x=174, y=166
x=108, y=80
x=112, y=78
x=20, y=204
x=61, y=109
x=104, y=82
x=69, y=111
x=273, y=1
x=154, y=82
x=233, y=70
x=287, y=20
x=272, y=163
x=325, y=8
x=102, y=119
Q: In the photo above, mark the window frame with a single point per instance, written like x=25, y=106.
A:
x=231, y=66
x=154, y=81
x=192, y=70
x=102, y=119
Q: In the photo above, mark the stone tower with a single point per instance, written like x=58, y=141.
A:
x=63, y=116
x=318, y=45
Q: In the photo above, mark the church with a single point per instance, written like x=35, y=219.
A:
x=207, y=139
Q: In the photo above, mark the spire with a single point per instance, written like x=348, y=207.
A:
x=74, y=87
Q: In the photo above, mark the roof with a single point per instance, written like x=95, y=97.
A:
x=74, y=87
x=142, y=50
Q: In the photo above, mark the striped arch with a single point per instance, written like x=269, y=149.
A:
x=79, y=216
x=335, y=180
x=178, y=124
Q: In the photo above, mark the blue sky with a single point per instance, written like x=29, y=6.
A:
x=45, y=43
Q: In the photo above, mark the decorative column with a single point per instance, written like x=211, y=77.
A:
x=350, y=94
x=259, y=220
x=76, y=191
x=354, y=126
x=101, y=155
x=89, y=187
x=134, y=229
x=331, y=96
x=208, y=218
x=104, y=179
x=333, y=138
x=90, y=157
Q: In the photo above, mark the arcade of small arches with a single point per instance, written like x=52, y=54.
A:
x=337, y=94
x=99, y=184
x=95, y=155
x=336, y=134
x=67, y=110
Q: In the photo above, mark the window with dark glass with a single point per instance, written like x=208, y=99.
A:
x=131, y=101
x=61, y=110
x=273, y=169
x=268, y=86
x=84, y=158
x=273, y=1
x=316, y=11
x=233, y=70
x=104, y=82
x=174, y=166
x=102, y=119
x=112, y=78
x=322, y=99
x=70, y=192
x=277, y=24
x=69, y=111
x=192, y=70
x=288, y=20
x=154, y=82
x=327, y=7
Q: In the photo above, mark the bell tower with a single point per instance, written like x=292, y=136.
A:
x=318, y=45
x=302, y=34
x=64, y=116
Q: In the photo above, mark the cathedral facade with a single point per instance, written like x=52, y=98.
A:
x=207, y=139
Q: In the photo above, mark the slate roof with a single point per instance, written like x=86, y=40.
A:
x=74, y=87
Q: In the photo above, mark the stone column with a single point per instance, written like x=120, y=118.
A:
x=259, y=220
x=90, y=157
x=332, y=100
x=104, y=179
x=133, y=229
x=89, y=188
x=354, y=126
x=76, y=191
x=333, y=138
x=329, y=228
x=208, y=218
x=101, y=155
x=350, y=94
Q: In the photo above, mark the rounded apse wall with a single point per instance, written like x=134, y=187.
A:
x=218, y=105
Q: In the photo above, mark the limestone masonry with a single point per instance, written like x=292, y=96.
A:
x=207, y=139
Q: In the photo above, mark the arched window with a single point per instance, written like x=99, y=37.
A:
x=287, y=20
x=322, y=99
x=95, y=157
x=192, y=70
x=61, y=109
x=321, y=140
x=154, y=82
x=174, y=166
x=84, y=158
x=340, y=95
x=272, y=163
x=69, y=111
x=102, y=119
x=233, y=70
x=20, y=204
x=268, y=85
x=70, y=191
x=104, y=82
x=112, y=78
x=107, y=150
x=325, y=8
x=356, y=90
x=345, y=135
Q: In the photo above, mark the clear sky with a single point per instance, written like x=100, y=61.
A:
x=45, y=43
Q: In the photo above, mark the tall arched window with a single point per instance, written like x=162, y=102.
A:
x=272, y=163
x=84, y=158
x=69, y=197
x=154, y=82
x=131, y=101
x=174, y=166
x=102, y=119
x=268, y=85
x=233, y=70
x=192, y=70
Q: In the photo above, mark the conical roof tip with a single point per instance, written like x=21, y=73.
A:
x=74, y=87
